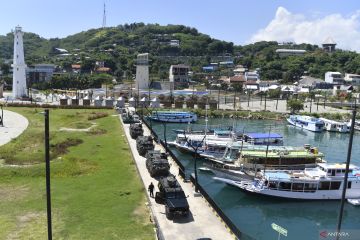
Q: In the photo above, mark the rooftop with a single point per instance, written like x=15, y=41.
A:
x=329, y=41
x=263, y=135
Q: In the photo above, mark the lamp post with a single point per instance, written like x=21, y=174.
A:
x=345, y=183
x=2, y=116
x=47, y=169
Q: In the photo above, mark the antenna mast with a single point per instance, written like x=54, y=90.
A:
x=104, y=17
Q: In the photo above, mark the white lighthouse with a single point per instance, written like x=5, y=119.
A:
x=142, y=71
x=19, y=66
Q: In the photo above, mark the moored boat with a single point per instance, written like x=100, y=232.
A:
x=173, y=116
x=324, y=182
x=356, y=125
x=335, y=126
x=306, y=122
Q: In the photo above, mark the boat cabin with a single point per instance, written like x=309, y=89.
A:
x=264, y=139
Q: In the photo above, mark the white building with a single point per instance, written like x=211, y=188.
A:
x=252, y=76
x=290, y=52
x=179, y=76
x=353, y=79
x=174, y=43
x=334, y=78
x=142, y=71
x=19, y=66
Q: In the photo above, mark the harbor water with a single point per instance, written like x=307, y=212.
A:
x=253, y=214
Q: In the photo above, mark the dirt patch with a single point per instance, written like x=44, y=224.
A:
x=96, y=131
x=75, y=167
x=62, y=147
x=13, y=193
x=97, y=115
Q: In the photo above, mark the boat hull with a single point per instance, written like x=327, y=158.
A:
x=248, y=187
x=309, y=128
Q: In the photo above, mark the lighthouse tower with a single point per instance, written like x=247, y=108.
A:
x=19, y=66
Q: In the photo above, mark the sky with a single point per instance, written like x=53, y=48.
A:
x=238, y=21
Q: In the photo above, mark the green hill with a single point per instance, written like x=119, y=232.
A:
x=118, y=46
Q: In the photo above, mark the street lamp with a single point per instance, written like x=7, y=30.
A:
x=47, y=170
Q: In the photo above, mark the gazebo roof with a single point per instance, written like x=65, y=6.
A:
x=329, y=41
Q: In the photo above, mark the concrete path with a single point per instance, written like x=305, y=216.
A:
x=14, y=125
x=201, y=223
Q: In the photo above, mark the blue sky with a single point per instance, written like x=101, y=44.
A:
x=231, y=20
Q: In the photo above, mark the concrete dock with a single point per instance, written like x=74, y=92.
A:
x=202, y=222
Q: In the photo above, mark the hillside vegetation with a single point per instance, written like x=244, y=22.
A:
x=118, y=46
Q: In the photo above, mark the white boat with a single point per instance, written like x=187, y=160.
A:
x=324, y=182
x=356, y=126
x=334, y=126
x=214, y=145
x=306, y=122
x=173, y=116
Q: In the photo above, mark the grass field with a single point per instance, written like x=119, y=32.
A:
x=96, y=192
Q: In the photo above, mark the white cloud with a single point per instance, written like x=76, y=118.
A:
x=298, y=28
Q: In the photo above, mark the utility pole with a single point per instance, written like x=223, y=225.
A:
x=317, y=105
x=234, y=100
x=277, y=102
x=310, y=103
x=265, y=100
x=47, y=169
x=345, y=183
x=219, y=99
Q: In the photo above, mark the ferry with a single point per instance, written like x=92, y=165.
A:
x=173, y=116
x=306, y=122
x=334, y=126
x=323, y=182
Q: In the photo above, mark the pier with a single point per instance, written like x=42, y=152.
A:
x=202, y=222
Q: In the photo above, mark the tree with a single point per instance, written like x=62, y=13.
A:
x=295, y=105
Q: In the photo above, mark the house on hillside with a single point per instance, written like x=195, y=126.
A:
x=290, y=52
x=334, y=78
x=338, y=89
x=76, y=68
x=353, y=79
x=103, y=70
x=252, y=76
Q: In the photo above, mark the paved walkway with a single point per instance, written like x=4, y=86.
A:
x=201, y=223
x=14, y=125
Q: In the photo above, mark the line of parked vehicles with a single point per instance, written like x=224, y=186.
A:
x=170, y=192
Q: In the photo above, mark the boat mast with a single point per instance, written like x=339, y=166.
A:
x=206, y=120
x=267, y=149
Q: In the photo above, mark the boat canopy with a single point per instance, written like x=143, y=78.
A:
x=263, y=135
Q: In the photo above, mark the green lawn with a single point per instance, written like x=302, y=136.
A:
x=96, y=192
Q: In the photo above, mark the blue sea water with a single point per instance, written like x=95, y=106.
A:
x=253, y=215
